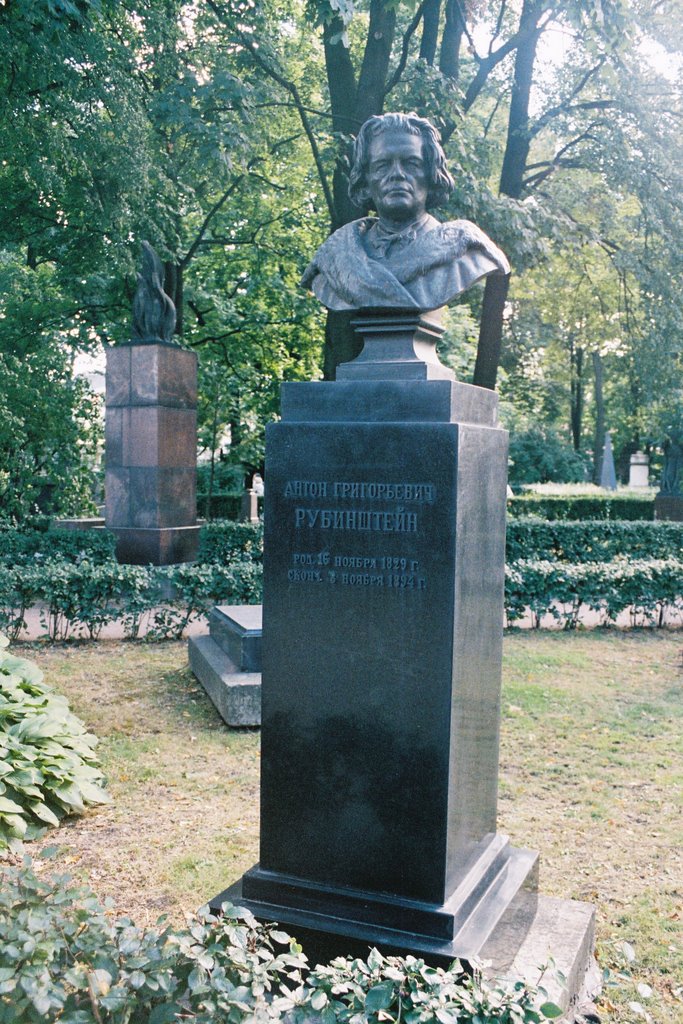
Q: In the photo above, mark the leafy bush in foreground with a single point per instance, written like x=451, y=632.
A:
x=63, y=958
x=48, y=768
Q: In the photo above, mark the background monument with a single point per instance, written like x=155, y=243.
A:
x=151, y=433
x=383, y=619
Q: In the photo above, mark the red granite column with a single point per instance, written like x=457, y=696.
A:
x=151, y=453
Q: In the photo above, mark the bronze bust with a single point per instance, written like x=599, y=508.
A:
x=404, y=258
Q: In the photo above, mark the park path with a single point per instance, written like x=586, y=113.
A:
x=35, y=630
x=114, y=630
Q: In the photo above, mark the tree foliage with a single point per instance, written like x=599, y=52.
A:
x=221, y=133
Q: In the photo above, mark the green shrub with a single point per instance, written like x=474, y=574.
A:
x=195, y=589
x=582, y=506
x=597, y=540
x=541, y=455
x=83, y=598
x=227, y=477
x=647, y=589
x=224, y=541
x=32, y=546
x=63, y=958
x=19, y=591
x=47, y=763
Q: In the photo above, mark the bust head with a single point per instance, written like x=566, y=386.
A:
x=411, y=144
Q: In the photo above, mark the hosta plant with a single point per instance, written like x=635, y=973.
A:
x=48, y=767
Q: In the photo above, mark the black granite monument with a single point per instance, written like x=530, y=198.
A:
x=383, y=614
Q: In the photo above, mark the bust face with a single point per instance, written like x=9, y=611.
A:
x=397, y=177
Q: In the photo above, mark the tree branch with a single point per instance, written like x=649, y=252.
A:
x=487, y=64
x=405, y=46
x=207, y=220
x=499, y=23
x=549, y=166
x=291, y=88
x=463, y=22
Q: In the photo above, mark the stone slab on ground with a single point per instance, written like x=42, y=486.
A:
x=555, y=930
x=236, y=695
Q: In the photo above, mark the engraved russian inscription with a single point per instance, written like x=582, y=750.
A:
x=401, y=507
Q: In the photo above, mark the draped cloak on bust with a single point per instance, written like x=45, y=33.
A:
x=425, y=266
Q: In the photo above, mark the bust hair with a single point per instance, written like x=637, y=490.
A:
x=439, y=179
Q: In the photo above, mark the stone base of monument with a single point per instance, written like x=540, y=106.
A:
x=669, y=507
x=162, y=546
x=333, y=921
x=537, y=939
x=547, y=931
x=227, y=663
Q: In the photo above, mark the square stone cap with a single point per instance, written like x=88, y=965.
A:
x=369, y=401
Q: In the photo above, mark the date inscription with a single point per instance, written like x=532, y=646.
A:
x=371, y=507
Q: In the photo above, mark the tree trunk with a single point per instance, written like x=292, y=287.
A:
x=576, y=394
x=341, y=81
x=342, y=344
x=430, y=31
x=491, y=331
x=372, y=79
x=449, y=56
x=351, y=106
x=599, y=435
x=511, y=184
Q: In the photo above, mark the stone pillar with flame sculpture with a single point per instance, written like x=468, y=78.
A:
x=151, y=433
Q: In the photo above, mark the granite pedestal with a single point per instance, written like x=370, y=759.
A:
x=150, y=453
x=382, y=640
x=384, y=570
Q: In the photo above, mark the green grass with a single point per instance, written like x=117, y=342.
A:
x=591, y=776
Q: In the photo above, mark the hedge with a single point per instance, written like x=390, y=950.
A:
x=650, y=590
x=597, y=540
x=63, y=957
x=223, y=541
x=82, y=598
x=582, y=506
x=32, y=546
